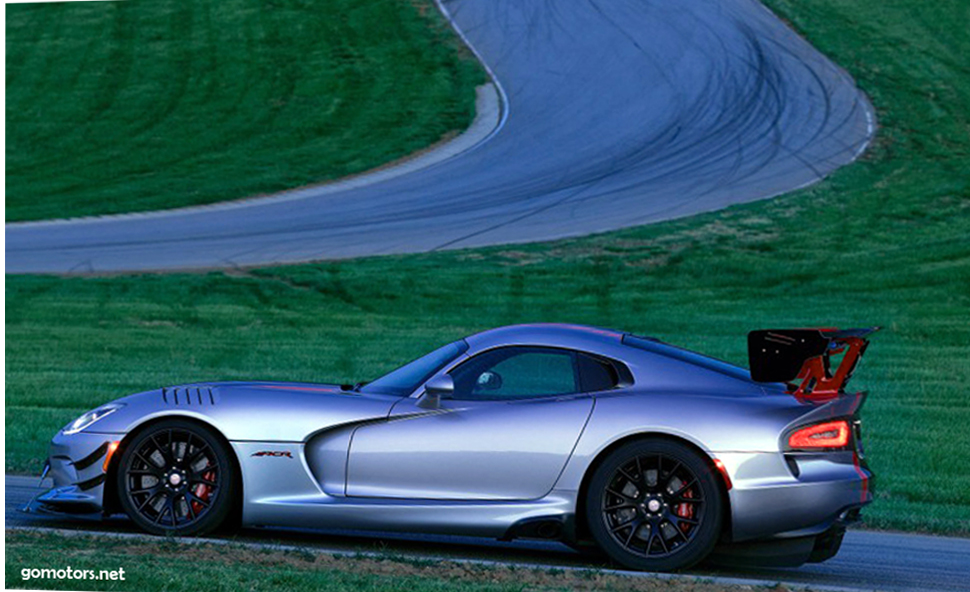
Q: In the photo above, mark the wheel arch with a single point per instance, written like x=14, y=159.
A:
x=110, y=501
x=581, y=530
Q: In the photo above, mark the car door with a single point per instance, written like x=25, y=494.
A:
x=505, y=433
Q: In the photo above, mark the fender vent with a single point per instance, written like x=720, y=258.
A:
x=188, y=396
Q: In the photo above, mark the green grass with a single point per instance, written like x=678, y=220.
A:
x=128, y=106
x=170, y=566
x=884, y=241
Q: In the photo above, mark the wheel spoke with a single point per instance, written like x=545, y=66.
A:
x=623, y=495
x=684, y=488
x=161, y=512
x=171, y=510
x=672, y=473
x=152, y=467
x=197, y=480
x=663, y=541
x=166, y=453
x=633, y=532
x=620, y=527
x=653, y=535
x=147, y=500
x=176, y=504
x=201, y=472
x=199, y=452
x=676, y=521
x=188, y=504
x=643, y=477
x=628, y=477
x=206, y=469
x=619, y=506
x=188, y=449
x=681, y=534
x=192, y=497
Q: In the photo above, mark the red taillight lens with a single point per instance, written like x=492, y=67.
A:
x=831, y=434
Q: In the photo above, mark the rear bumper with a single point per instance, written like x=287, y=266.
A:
x=774, y=497
x=76, y=465
x=785, y=552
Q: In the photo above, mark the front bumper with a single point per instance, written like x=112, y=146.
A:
x=77, y=465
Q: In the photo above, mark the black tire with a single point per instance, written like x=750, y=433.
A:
x=176, y=477
x=654, y=505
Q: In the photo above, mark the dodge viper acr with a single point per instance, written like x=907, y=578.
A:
x=655, y=454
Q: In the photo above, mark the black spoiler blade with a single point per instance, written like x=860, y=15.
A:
x=787, y=355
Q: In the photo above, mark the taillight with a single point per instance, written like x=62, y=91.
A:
x=831, y=434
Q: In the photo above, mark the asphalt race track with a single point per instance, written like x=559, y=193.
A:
x=614, y=113
x=867, y=560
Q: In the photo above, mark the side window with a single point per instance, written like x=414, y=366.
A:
x=596, y=375
x=517, y=373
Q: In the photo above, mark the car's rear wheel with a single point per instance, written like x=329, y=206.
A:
x=654, y=505
x=176, y=478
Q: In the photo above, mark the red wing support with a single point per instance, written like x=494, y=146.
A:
x=802, y=358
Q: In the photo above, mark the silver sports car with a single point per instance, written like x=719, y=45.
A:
x=655, y=454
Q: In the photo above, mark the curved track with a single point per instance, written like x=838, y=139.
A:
x=867, y=560
x=619, y=113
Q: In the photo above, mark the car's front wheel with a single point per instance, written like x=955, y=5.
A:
x=654, y=505
x=176, y=478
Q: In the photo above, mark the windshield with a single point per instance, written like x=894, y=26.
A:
x=405, y=379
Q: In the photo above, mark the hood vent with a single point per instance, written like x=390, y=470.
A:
x=189, y=396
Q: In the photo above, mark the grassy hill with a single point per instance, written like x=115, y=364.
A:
x=129, y=106
x=884, y=241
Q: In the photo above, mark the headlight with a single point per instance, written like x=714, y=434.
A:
x=90, y=417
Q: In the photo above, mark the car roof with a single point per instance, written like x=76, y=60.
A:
x=550, y=334
x=646, y=356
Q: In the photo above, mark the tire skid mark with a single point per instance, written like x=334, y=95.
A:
x=615, y=113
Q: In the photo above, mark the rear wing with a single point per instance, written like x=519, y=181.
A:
x=802, y=358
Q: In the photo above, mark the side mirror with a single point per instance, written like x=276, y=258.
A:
x=437, y=387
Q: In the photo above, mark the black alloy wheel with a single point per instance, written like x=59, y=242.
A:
x=655, y=505
x=176, y=478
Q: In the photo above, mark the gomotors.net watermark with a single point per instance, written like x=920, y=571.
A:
x=68, y=573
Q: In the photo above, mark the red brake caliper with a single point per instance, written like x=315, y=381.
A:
x=202, y=491
x=685, y=510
